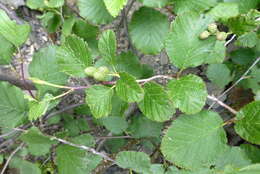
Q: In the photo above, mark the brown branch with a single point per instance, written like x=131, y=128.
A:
x=233, y=111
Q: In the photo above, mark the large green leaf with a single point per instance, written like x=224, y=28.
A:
x=184, y=47
x=245, y=5
x=16, y=34
x=6, y=49
x=194, y=141
x=38, y=144
x=224, y=11
x=137, y=161
x=54, y=3
x=115, y=6
x=181, y=6
x=188, y=93
x=35, y=4
x=107, y=46
x=99, y=100
x=13, y=106
x=155, y=3
x=74, y=160
x=74, y=56
x=248, y=124
x=249, y=39
x=94, y=11
x=250, y=169
x=116, y=125
x=156, y=104
x=24, y=166
x=44, y=67
x=252, y=152
x=148, y=30
x=128, y=89
x=219, y=74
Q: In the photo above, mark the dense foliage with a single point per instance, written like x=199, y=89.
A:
x=174, y=128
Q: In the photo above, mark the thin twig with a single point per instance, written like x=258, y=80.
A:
x=24, y=80
x=10, y=157
x=240, y=79
x=233, y=111
x=11, y=13
x=114, y=137
x=230, y=40
x=155, y=77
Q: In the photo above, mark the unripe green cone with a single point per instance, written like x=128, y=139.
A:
x=204, y=35
x=99, y=76
x=221, y=36
x=103, y=69
x=90, y=70
x=213, y=28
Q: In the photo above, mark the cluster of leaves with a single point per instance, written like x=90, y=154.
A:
x=195, y=142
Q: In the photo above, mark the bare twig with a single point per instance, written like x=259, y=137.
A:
x=10, y=157
x=155, y=77
x=24, y=80
x=239, y=80
x=114, y=137
x=10, y=13
x=233, y=111
x=230, y=40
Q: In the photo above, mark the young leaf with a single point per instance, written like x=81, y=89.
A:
x=248, y=124
x=95, y=11
x=137, y=161
x=148, y=30
x=24, y=166
x=116, y=125
x=107, y=46
x=181, y=6
x=115, y=6
x=224, y=11
x=219, y=74
x=44, y=66
x=16, y=34
x=38, y=144
x=194, y=141
x=13, y=106
x=51, y=21
x=128, y=89
x=74, y=56
x=68, y=26
x=188, y=93
x=74, y=160
x=6, y=49
x=156, y=104
x=154, y=3
x=184, y=46
x=99, y=100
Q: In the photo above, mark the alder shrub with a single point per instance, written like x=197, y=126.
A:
x=173, y=129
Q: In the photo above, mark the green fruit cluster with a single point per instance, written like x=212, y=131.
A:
x=100, y=73
x=213, y=30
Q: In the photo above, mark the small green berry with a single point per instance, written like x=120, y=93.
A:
x=103, y=69
x=212, y=28
x=221, y=36
x=99, y=76
x=90, y=70
x=204, y=35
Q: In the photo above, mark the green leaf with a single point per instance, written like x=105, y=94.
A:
x=116, y=125
x=181, y=6
x=219, y=74
x=68, y=26
x=84, y=139
x=194, y=141
x=16, y=34
x=35, y=4
x=188, y=93
x=95, y=11
x=115, y=6
x=38, y=144
x=99, y=100
x=13, y=106
x=254, y=81
x=74, y=160
x=128, y=89
x=252, y=152
x=245, y=5
x=247, y=40
x=184, y=46
x=24, y=167
x=54, y=3
x=6, y=49
x=107, y=46
x=39, y=108
x=155, y=3
x=156, y=169
x=148, y=30
x=224, y=11
x=142, y=127
x=251, y=169
x=233, y=156
x=137, y=161
x=248, y=124
x=74, y=56
x=44, y=66
x=156, y=104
